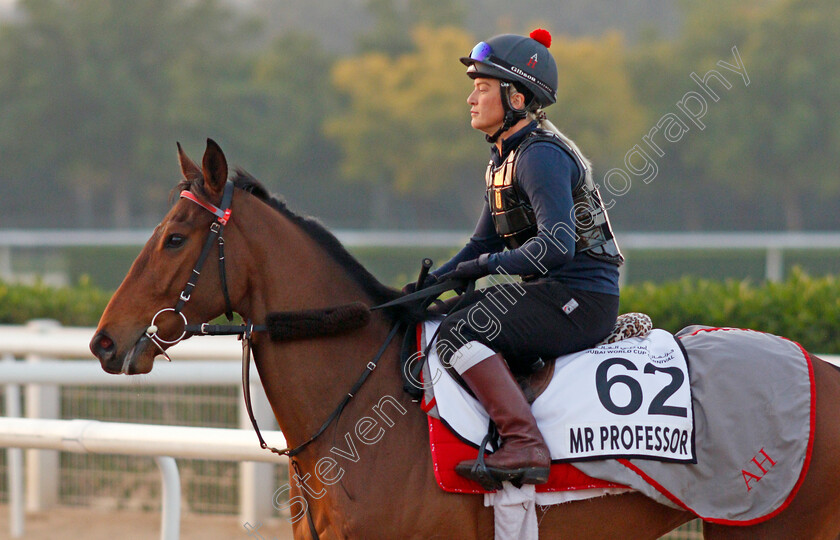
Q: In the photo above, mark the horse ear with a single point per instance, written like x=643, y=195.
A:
x=215, y=167
x=188, y=167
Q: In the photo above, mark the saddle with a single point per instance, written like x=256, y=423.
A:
x=533, y=382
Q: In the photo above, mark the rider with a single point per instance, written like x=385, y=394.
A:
x=542, y=205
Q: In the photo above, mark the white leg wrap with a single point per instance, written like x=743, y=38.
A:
x=470, y=354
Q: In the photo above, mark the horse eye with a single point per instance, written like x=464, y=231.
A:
x=175, y=241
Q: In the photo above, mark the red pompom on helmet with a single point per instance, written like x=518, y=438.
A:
x=541, y=36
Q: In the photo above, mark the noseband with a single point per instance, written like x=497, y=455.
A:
x=222, y=214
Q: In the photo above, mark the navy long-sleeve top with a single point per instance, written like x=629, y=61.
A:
x=546, y=174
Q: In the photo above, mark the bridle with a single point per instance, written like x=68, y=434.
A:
x=244, y=331
x=223, y=214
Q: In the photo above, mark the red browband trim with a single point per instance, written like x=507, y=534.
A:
x=223, y=216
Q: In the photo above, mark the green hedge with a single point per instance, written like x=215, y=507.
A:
x=803, y=308
x=71, y=306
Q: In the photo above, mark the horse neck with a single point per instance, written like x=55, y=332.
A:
x=305, y=379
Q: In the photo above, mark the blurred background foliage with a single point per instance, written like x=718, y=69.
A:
x=355, y=109
x=803, y=308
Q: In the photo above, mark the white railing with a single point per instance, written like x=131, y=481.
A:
x=198, y=362
x=164, y=443
x=40, y=343
x=772, y=243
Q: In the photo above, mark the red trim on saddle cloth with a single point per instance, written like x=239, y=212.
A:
x=802, y=473
x=448, y=450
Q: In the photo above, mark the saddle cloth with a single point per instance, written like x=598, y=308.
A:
x=753, y=410
x=625, y=399
x=754, y=404
x=457, y=422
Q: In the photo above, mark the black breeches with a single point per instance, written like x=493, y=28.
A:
x=530, y=320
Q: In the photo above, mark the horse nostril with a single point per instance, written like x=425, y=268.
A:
x=102, y=345
x=106, y=343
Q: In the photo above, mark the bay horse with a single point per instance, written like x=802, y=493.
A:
x=383, y=486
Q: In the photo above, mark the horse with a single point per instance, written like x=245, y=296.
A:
x=370, y=474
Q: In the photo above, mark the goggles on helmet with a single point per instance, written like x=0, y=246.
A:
x=481, y=52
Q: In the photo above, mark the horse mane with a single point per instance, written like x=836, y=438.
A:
x=313, y=228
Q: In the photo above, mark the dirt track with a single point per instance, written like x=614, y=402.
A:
x=72, y=523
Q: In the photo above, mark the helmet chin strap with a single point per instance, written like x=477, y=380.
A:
x=512, y=116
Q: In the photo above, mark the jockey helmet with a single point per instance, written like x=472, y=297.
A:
x=523, y=61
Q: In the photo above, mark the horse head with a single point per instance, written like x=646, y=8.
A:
x=142, y=318
x=269, y=259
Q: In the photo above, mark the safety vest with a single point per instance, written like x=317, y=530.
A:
x=513, y=215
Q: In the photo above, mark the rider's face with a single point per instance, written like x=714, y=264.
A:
x=486, y=111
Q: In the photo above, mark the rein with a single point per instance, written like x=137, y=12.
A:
x=291, y=452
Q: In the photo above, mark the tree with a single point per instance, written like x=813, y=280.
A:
x=391, y=32
x=782, y=135
x=91, y=97
x=596, y=102
x=404, y=129
x=280, y=106
x=770, y=138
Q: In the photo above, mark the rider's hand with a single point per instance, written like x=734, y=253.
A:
x=430, y=280
x=469, y=270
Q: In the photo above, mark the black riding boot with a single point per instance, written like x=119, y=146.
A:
x=523, y=456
